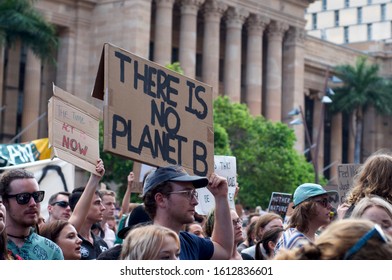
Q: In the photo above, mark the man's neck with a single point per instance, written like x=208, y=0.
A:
x=169, y=224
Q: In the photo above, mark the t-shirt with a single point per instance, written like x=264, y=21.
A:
x=291, y=238
x=110, y=235
x=92, y=251
x=194, y=247
x=36, y=247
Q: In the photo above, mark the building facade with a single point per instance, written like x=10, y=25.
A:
x=350, y=21
x=256, y=52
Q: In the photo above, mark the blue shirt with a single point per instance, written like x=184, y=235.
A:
x=194, y=247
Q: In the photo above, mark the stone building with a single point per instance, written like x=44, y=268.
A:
x=254, y=51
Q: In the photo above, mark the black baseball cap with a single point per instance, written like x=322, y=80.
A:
x=174, y=173
x=138, y=216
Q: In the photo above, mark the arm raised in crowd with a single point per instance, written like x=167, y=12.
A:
x=222, y=235
x=127, y=195
x=79, y=214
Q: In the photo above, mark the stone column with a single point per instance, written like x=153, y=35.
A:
x=273, y=98
x=213, y=11
x=31, y=98
x=11, y=93
x=233, y=52
x=293, y=78
x=163, y=31
x=188, y=35
x=254, y=63
x=317, y=114
x=336, y=146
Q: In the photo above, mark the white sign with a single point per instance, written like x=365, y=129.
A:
x=224, y=166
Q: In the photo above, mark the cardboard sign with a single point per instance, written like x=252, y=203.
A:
x=73, y=129
x=139, y=171
x=224, y=166
x=52, y=176
x=154, y=115
x=346, y=173
x=279, y=203
x=14, y=154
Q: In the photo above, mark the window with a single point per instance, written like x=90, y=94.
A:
x=369, y=32
x=383, y=11
x=337, y=18
x=314, y=21
x=323, y=34
x=359, y=15
x=346, y=3
x=369, y=2
x=324, y=5
x=346, y=38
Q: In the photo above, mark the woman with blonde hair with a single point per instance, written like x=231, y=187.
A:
x=151, y=242
x=375, y=209
x=348, y=239
x=374, y=177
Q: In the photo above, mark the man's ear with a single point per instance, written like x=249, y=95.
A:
x=50, y=207
x=160, y=200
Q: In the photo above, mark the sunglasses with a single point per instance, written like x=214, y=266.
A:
x=376, y=230
x=24, y=198
x=63, y=204
x=237, y=222
x=323, y=202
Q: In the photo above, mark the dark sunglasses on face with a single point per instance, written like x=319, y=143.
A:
x=324, y=202
x=24, y=198
x=63, y=204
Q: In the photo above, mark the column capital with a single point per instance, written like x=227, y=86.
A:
x=295, y=35
x=277, y=29
x=165, y=3
x=214, y=10
x=257, y=23
x=235, y=17
x=190, y=6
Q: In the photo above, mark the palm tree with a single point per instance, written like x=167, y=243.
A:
x=362, y=88
x=19, y=20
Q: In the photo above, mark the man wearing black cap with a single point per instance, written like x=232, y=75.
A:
x=170, y=197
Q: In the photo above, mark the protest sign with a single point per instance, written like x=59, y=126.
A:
x=224, y=166
x=73, y=129
x=139, y=170
x=154, y=115
x=279, y=203
x=346, y=173
x=14, y=154
x=52, y=176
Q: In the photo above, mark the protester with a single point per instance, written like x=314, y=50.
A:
x=312, y=210
x=249, y=232
x=170, y=197
x=137, y=218
x=58, y=207
x=87, y=208
x=5, y=254
x=348, y=239
x=109, y=201
x=64, y=234
x=151, y=242
x=266, y=246
x=21, y=198
x=237, y=230
x=372, y=178
x=195, y=228
x=375, y=209
x=263, y=223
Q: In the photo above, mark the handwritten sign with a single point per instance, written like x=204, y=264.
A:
x=346, y=173
x=73, y=129
x=224, y=166
x=279, y=203
x=154, y=115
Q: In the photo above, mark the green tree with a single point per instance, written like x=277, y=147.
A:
x=362, y=88
x=19, y=20
x=176, y=67
x=266, y=159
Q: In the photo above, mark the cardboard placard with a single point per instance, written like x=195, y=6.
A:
x=224, y=166
x=346, y=173
x=154, y=115
x=139, y=170
x=279, y=203
x=73, y=129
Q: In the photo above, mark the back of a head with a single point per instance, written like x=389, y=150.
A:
x=264, y=220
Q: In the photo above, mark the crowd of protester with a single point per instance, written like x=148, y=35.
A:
x=89, y=223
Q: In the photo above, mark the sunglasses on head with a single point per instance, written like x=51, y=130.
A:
x=24, y=198
x=63, y=204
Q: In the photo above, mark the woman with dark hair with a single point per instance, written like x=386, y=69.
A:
x=5, y=254
x=65, y=235
x=265, y=247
